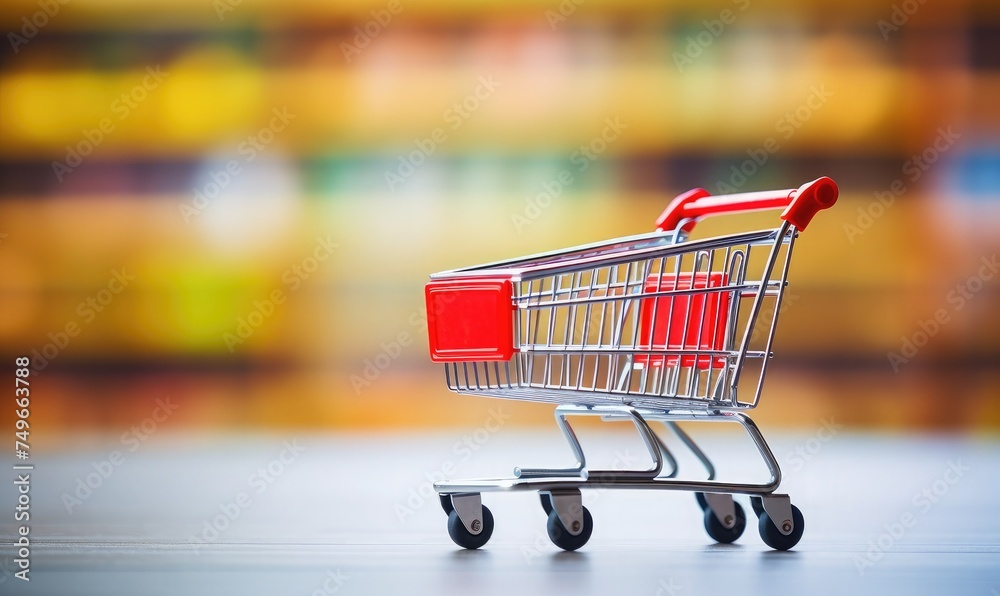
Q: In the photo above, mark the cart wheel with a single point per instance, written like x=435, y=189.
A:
x=772, y=537
x=546, y=502
x=758, y=506
x=462, y=537
x=446, y=503
x=720, y=533
x=702, y=501
x=561, y=537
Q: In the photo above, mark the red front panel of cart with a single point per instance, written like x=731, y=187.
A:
x=688, y=322
x=470, y=320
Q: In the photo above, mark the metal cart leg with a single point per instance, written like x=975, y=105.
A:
x=692, y=446
x=657, y=450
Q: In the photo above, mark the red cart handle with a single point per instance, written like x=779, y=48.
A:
x=800, y=204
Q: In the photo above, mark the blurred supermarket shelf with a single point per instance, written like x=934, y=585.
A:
x=117, y=119
x=962, y=398
x=195, y=14
x=855, y=291
x=480, y=174
x=215, y=100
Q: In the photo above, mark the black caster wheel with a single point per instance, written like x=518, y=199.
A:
x=463, y=538
x=702, y=501
x=720, y=533
x=446, y=504
x=772, y=537
x=758, y=506
x=546, y=502
x=561, y=537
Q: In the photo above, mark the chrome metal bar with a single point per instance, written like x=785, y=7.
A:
x=692, y=446
x=649, y=438
x=665, y=453
x=546, y=265
x=579, y=470
x=777, y=306
x=754, y=310
x=634, y=479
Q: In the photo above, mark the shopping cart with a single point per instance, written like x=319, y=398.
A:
x=653, y=327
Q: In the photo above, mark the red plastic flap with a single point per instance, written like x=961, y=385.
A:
x=685, y=315
x=470, y=319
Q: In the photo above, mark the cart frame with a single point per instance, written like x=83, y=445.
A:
x=685, y=372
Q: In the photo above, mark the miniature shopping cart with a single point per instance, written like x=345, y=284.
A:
x=654, y=327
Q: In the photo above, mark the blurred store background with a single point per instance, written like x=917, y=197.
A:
x=236, y=203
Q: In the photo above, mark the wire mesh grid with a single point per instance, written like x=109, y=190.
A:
x=665, y=330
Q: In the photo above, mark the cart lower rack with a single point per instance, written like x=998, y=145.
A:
x=647, y=328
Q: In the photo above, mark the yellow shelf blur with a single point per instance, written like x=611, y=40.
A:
x=220, y=102
x=848, y=294
x=198, y=14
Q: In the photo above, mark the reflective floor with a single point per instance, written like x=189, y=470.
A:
x=315, y=514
